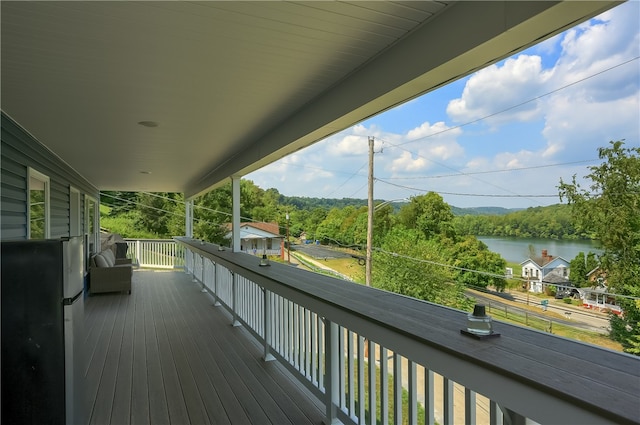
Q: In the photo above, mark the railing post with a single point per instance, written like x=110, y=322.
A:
x=138, y=253
x=331, y=384
x=267, y=326
x=234, y=298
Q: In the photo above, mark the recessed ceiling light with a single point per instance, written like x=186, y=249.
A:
x=148, y=123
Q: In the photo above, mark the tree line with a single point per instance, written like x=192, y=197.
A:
x=551, y=222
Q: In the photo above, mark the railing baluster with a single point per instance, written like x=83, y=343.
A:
x=413, y=393
x=341, y=360
x=300, y=337
x=361, y=394
x=308, y=341
x=447, y=400
x=314, y=349
x=469, y=407
x=351, y=373
x=397, y=388
x=372, y=381
x=234, y=298
x=332, y=374
x=267, y=326
x=321, y=351
x=429, y=399
x=384, y=385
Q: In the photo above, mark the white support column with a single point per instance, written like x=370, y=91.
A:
x=235, y=213
x=188, y=206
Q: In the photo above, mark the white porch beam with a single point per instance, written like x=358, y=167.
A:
x=235, y=213
x=188, y=229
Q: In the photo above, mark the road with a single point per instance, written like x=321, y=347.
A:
x=319, y=252
x=567, y=315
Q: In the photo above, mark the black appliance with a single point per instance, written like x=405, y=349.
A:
x=42, y=331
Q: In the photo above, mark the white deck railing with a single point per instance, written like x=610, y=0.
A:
x=329, y=348
x=155, y=253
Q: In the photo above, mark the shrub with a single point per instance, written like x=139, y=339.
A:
x=567, y=300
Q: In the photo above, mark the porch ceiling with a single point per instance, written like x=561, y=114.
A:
x=234, y=86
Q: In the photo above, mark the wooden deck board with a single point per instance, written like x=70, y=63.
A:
x=139, y=381
x=164, y=354
x=123, y=386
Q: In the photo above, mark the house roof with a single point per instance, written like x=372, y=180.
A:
x=556, y=279
x=539, y=261
x=257, y=230
x=168, y=96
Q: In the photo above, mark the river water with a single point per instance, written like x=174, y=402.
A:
x=516, y=250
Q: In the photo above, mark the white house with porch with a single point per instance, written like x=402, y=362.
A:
x=259, y=238
x=537, y=270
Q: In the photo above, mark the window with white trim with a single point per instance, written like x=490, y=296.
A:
x=91, y=224
x=39, y=205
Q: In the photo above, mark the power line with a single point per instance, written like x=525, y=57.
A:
x=534, y=167
x=350, y=177
x=466, y=194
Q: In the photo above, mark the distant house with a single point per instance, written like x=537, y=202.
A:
x=259, y=238
x=545, y=269
x=597, y=276
x=599, y=298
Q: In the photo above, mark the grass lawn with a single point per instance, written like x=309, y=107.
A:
x=348, y=267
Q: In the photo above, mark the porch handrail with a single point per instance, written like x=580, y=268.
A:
x=309, y=321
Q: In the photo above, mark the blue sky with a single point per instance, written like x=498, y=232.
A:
x=503, y=136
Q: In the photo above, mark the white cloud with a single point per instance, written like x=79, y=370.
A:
x=408, y=163
x=498, y=88
x=349, y=145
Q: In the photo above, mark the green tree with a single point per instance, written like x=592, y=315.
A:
x=411, y=265
x=429, y=214
x=469, y=256
x=610, y=208
x=162, y=213
x=580, y=266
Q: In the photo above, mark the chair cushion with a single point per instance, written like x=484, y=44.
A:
x=100, y=261
x=109, y=256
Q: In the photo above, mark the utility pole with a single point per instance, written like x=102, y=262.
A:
x=369, y=217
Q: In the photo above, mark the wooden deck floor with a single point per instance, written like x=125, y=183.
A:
x=164, y=354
